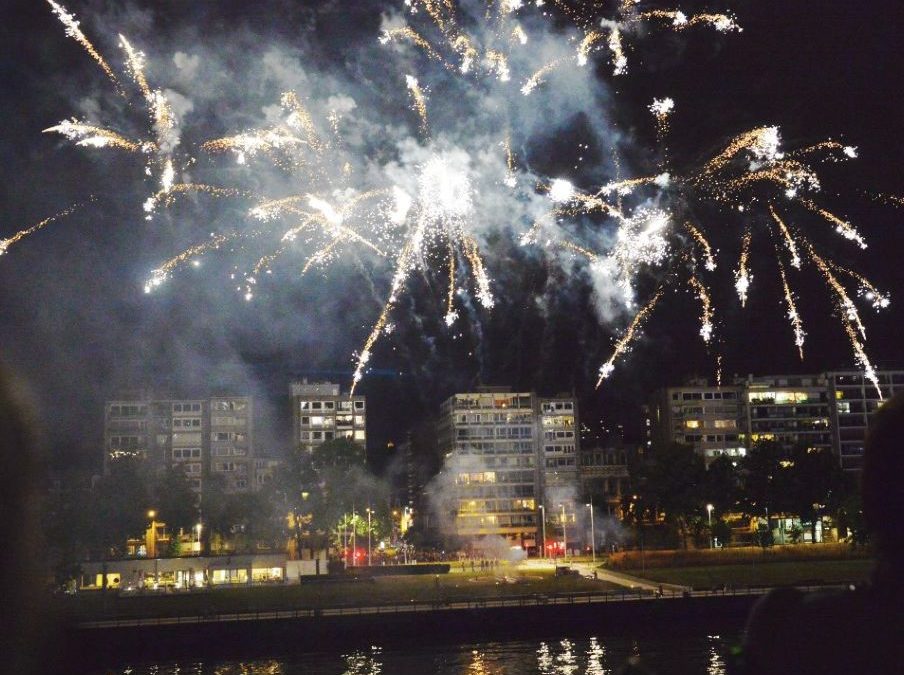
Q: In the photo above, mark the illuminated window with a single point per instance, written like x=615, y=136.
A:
x=692, y=424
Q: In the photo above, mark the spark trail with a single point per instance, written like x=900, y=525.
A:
x=421, y=207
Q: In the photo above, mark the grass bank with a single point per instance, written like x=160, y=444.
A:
x=631, y=561
x=771, y=573
x=456, y=586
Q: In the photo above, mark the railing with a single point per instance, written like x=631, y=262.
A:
x=413, y=606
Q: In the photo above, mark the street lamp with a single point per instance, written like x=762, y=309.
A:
x=564, y=535
x=543, y=523
x=592, y=534
x=151, y=539
x=709, y=518
x=369, y=550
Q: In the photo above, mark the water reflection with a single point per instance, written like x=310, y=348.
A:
x=363, y=663
x=716, y=659
x=701, y=655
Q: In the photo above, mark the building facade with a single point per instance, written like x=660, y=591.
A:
x=320, y=413
x=559, y=440
x=852, y=401
x=825, y=411
x=506, y=453
x=604, y=477
x=201, y=437
x=707, y=418
x=792, y=410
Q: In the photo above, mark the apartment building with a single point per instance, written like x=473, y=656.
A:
x=559, y=426
x=202, y=437
x=604, y=476
x=507, y=453
x=321, y=413
x=825, y=411
x=790, y=409
x=852, y=400
x=707, y=418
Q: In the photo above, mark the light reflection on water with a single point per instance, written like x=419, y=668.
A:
x=702, y=655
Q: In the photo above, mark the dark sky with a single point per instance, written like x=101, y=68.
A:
x=75, y=325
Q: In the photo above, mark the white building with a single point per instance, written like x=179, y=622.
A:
x=506, y=452
x=199, y=436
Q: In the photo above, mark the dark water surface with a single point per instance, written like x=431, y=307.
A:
x=685, y=655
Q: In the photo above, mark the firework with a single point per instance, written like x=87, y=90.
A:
x=706, y=307
x=624, y=342
x=162, y=139
x=72, y=30
x=793, y=316
x=655, y=224
x=742, y=274
x=5, y=244
x=88, y=135
x=418, y=100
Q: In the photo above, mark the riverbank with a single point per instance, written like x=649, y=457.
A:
x=460, y=585
x=276, y=634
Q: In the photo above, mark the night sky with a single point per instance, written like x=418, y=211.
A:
x=76, y=326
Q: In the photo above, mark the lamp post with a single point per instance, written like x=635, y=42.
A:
x=354, y=538
x=564, y=535
x=709, y=518
x=151, y=539
x=592, y=534
x=369, y=549
x=543, y=524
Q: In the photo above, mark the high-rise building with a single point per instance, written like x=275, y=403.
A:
x=792, y=410
x=820, y=412
x=852, y=400
x=202, y=437
x=559, y=441
x=503, y=451
x=231, y=442
x=707, y=418
x=321, y=413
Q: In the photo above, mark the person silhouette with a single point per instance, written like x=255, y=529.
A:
x=860, y=630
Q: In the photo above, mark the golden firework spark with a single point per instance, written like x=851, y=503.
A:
x=786, y=235
x=72, y=30
x=624, y=342
x=89, y=135
x=5, y=244
x=699, y=237
x=743, y=278
x=419, y=102
x=793, y=315
x=706, y=307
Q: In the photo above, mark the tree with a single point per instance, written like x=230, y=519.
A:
x=175, y=502
x=721, y=531
x=118, y=508
x=765, y=478
x=816, y=484
x=720, y=484
x=672, y=483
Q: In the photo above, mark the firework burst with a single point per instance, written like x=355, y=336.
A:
x=424, y=210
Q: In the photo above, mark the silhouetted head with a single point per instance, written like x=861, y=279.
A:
x=883, y=469
x=20, y=561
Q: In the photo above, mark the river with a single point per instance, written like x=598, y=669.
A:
x=695, y=654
